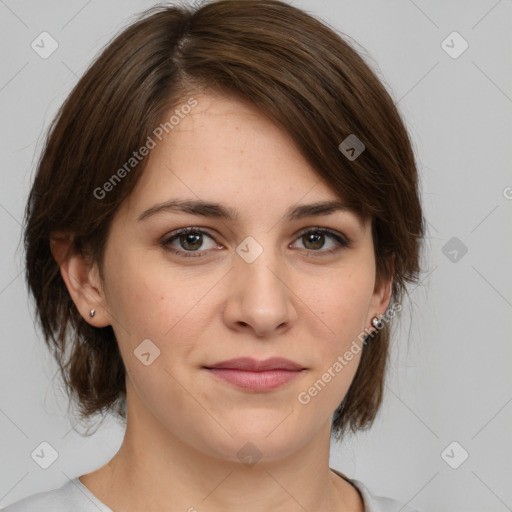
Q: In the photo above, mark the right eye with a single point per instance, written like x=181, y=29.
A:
x=190, y=240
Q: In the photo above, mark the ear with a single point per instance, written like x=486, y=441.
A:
x=381, y=294
x=82, y=280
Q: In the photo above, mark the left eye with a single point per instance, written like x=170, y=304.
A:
x=191, y=239
x=316, y=237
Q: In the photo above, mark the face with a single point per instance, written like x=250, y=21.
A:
x=259, y=285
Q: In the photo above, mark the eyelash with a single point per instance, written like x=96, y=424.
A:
x=342, y=241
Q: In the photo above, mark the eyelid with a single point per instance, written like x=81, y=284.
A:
x=342, y=238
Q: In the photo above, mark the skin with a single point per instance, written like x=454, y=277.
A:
x=185, y=426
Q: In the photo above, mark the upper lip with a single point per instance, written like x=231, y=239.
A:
x=250, y=364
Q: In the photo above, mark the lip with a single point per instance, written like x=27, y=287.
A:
x=253, y=365
x=258, y=376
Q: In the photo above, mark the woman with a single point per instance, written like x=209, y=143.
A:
x=221, y=229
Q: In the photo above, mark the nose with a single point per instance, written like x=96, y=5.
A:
x=260, y=298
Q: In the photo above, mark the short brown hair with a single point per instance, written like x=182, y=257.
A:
x=291, y=67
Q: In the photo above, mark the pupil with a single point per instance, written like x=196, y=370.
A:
x=318, y=237
x=191, y=237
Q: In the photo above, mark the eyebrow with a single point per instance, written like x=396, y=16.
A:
x=220, y=211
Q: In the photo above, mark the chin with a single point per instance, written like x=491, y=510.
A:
x=253, y=441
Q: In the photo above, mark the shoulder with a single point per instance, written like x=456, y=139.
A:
x=373, y=503
x=72, y=495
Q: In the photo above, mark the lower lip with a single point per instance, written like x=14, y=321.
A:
x=256, y=381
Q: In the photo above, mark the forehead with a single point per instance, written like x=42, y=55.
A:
x=231, y=158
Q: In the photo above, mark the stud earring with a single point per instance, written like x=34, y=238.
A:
x=375, y=322
x=92, y=313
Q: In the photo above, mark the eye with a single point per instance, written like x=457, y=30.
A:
x=315, y=240
x=191, y=239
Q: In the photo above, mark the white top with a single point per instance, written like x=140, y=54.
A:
x=73, y=496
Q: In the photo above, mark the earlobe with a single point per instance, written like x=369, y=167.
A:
x=382, y=295
x=81, y=278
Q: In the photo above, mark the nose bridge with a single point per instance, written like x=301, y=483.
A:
x=259, y=286
x=258, y=263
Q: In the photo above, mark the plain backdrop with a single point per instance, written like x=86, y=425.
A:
x=440, y=441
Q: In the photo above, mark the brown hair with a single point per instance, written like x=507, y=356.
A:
x=290, y=66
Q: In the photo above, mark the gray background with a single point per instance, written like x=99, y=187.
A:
x=450, y=378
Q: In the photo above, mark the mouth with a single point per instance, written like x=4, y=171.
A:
x=257, y=376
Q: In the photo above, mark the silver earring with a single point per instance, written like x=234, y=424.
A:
x=92, y=313
x=375, y=322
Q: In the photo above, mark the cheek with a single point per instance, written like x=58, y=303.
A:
x=340, y=301
x=340, y=307
x=149, y=299
x=148, y=302
x=134, y=298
